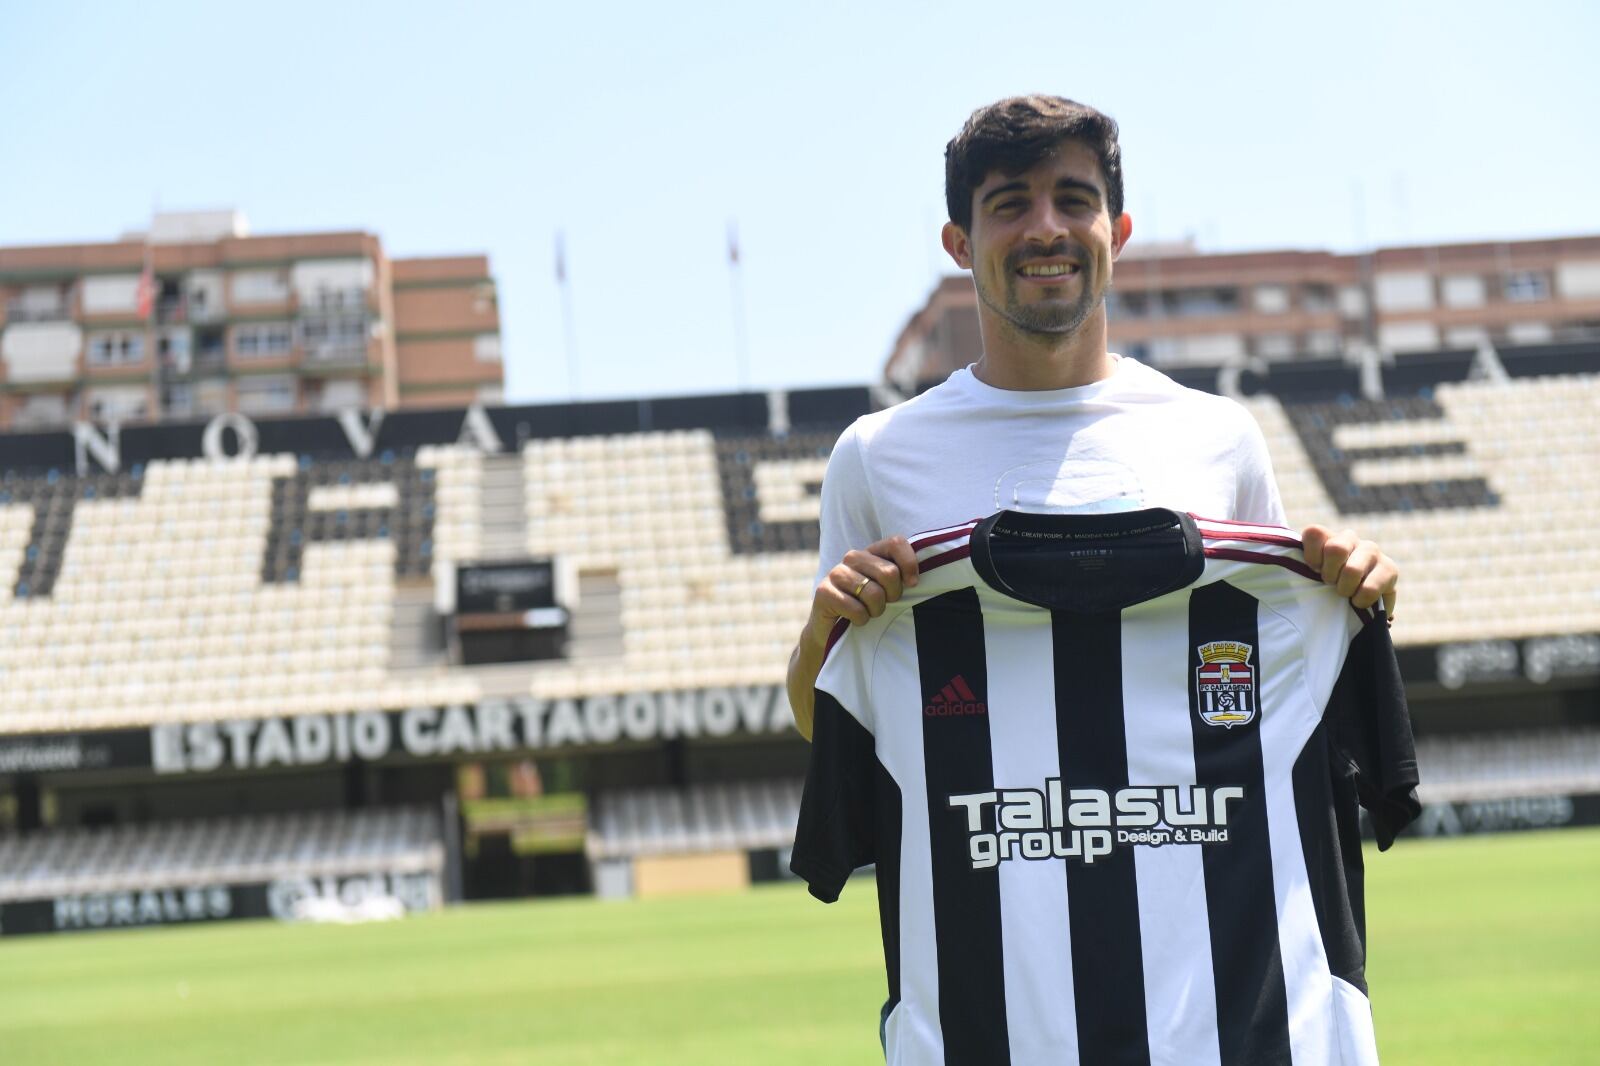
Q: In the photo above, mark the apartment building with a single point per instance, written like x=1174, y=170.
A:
x=1174, y=306
x=195, y=316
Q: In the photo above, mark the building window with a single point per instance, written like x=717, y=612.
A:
x=1127, y=304
x=1529, y=333
x=1165, y=351
x=203, y=296
x=1352, y=301
x=1463, y=290
x=1404, y=290
x=1198, y=303
x=324, y=299
x=1275, y=345
x=483, y=298
x=41, y=410
x=332, y=284
x=1526, y=286
x=1466, y=337
x=40, y=303
x=172, y=345
x=1579, y=280
x=486, y=347
x=1271, y=299
x=1408, y=337
x=116, y=348
x=177, y=399
x=332, y=337
x=210, y=347
x=1317, y=299
x=259, y=287
x=118, y=405
x=210, y=398
x=1210, y=349
x=269, y=395
x=340, y=395
x=1323, y=342
x=103, y=294
x=262, y=339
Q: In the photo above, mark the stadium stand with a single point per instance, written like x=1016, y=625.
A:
x=160, y=856
x=746, y=815
x=650, y=509
x=1531, y=763
x=199, y=589
x=182, y=603
x=1483, y=492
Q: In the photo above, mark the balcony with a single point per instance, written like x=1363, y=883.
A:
x=1173, y=303
x=335, y=354
x=34, y=311
x=171, y=310
x=210, y=349
x=43, y=412
x=332, y=301
x=336, y=339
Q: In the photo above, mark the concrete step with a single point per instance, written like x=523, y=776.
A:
x=415, y=636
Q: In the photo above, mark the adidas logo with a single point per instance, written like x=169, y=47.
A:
x=955, y=698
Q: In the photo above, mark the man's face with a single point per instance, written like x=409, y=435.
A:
x=1042, y=243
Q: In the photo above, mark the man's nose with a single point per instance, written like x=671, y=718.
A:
x=1046, y=224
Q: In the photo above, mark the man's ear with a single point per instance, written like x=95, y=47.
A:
x=956, y=245
x=1121, y=230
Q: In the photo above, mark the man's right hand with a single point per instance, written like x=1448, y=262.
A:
x=865, y=582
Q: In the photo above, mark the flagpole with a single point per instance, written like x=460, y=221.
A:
x=145, y=297
x=741, y=345
x=567, y=327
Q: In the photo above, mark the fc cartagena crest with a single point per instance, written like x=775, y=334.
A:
x=1226, y=683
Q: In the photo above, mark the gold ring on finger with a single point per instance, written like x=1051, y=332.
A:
x=857, y=592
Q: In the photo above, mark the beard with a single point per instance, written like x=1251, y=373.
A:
x=1054, y=318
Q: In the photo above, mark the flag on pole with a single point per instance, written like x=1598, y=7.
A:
x=741, y=353
x=145, y=294
x=566, y=312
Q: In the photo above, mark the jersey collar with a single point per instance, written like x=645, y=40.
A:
x=1080, y=585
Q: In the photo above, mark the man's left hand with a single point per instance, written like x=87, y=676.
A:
x=1356, y=567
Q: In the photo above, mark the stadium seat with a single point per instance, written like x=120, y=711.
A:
x=65, y=862
x=266, y=584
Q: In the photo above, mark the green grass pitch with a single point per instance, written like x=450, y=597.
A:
x=1484, y=950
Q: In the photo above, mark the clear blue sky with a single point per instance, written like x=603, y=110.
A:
x=641, y=129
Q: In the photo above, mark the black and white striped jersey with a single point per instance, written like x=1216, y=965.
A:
x=1108, y=767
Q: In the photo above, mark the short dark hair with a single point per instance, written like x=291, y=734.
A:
x=1014, y=134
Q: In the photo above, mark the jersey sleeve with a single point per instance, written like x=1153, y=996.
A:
x=1256, y=496
x=836, y=832
x=1370, y=728
x=848, y=518
x=838, y=816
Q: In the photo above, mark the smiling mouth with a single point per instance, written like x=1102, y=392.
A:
x=1048, y=272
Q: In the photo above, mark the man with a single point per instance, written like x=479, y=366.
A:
x=1047, y=419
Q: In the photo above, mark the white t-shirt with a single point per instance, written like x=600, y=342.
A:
x=964, y=449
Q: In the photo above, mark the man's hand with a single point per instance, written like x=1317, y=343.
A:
x=865, y=582
x=1356, y=567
